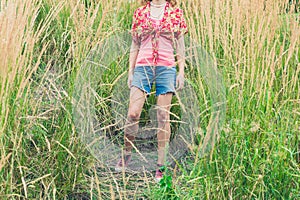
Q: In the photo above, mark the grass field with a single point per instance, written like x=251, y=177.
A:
x=256, y=47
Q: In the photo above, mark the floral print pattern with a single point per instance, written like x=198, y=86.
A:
x=172, y=26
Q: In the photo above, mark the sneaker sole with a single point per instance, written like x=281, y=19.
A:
x=120, y=169
x=157, y=180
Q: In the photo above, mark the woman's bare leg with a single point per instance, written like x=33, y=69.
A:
x=164, y=130
x=136, y=103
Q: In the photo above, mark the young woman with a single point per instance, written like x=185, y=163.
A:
x=157, y=30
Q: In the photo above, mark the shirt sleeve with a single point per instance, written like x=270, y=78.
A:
x=182, y=24
x=134, y=27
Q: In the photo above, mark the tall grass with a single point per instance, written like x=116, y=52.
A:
x=256, y=46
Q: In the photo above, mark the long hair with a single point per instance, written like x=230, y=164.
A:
x=173, y=3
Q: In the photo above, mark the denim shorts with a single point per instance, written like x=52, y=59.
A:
x=163, y=77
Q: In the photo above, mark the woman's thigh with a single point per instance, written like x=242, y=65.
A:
x=163, y=106
x=136, y=101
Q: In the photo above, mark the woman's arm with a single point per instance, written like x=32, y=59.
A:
x=134, y=51
x=180, y=51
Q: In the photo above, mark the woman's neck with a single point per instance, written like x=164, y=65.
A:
x=158, y=2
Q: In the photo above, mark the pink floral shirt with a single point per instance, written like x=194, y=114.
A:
x=172, y=26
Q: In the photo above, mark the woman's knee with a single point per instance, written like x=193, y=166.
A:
x=162, y=116
x=133, y=115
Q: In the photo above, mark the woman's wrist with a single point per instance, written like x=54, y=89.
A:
x=181, y=71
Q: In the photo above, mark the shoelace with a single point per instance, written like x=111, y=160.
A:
x=159, y=173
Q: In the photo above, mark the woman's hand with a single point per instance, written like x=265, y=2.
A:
x=129, y=81
x=181, y=62
x=180, y=81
